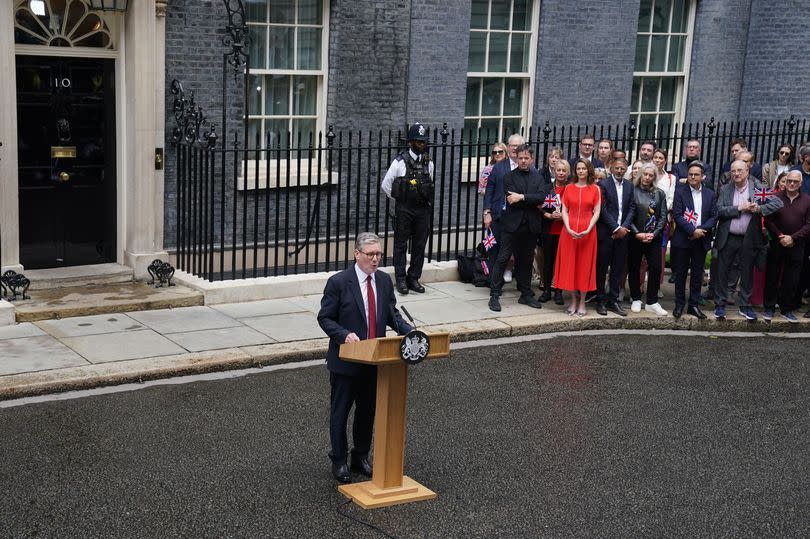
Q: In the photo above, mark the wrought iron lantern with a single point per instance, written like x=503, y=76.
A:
x=109, y=5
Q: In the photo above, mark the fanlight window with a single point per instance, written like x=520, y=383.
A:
x=60, y=23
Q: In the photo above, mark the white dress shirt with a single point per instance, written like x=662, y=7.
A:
x=362, y=276
x=697, y=204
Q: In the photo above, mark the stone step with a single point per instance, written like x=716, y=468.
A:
x=76, y=276
x=63, y=302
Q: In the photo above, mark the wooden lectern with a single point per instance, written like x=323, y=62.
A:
x=389, y=485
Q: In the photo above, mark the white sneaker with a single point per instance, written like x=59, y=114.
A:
x=636, y=306
x=507, y=276
x=656, y=309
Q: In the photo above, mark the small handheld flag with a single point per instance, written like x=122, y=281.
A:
x=691, y=216
x=550, y=201
x=761, y=196
x=489, y=240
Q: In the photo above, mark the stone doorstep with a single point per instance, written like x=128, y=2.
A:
x=74, y=276
x=109, y=298
x=140, y=370
x=286, y=286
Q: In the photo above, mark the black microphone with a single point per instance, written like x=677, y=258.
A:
x=404, y=310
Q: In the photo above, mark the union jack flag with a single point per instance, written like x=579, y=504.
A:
x=691, y=216
x=484, y=267
x=489, y=240
x=551, y=201
x=761, y=195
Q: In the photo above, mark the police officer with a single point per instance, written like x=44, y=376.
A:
x=409, y=181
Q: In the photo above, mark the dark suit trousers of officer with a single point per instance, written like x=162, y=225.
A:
x=522, y=243
x=733, y=251
x=613, y=254
x=413, y=223
x=345, y=391
x=782, y=277
x=688, y=259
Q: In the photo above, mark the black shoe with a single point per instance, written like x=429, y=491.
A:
x=807, y=314
x=529, y=301
x=494, y=304
x=558, y=299
x=590, y=296
x=671, y=279
x=677, y=312
x=341, y=472
x=614, y=307
x=545, y=296
x=601, y=309
x=361, y=466
x=402, y=288
x=416, y=286
x=696, y=312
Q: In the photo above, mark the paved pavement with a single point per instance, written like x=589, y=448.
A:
x=603, y=436
x=86, y=351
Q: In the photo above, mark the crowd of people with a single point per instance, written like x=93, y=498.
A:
x=588, y=224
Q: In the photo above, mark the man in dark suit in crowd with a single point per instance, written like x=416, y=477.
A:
x=358, y=303
x=495, y=198
x=586, y=146
x=740, y=237
x=613, y=227
x=695, y=212
x=521, y=223
x=692, y=153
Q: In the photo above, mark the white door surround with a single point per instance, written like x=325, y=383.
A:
x=139, y=55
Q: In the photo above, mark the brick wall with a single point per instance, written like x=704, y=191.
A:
x=777, y=73
x=718, y=60
x=585, y=61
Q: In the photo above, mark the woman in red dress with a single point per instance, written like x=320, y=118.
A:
x=575, y=268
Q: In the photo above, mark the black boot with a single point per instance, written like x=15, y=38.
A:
x=402, y=288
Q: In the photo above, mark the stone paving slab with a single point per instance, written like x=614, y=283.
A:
x=31, y=354
x=89, y=325
x=287, y=327
x=19, y=331
x=122, y=346
x=311, y=303
x=184, y=319
x=468, y=291
x=265, y=307
x=218, y=339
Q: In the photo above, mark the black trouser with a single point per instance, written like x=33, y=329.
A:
x=492, y=254
x=734, y=251
x=362, y=392
x=412, y=223
x=782, y=277
x=804, y=276
x=610, y=253
x=652, y=252
x=550, y=244
x=688, y=259
x=521, y=243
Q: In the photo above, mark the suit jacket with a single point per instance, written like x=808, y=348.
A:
x=343, y=312
x=681, y=170
x=529, y=184
x=494, y=198
x=609, y=215
x=546, y=176
x=726, y=211
x=707, y=221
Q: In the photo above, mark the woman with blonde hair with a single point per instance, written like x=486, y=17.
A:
x=499, y=153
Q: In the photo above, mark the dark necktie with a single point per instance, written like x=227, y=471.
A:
x=372, y=310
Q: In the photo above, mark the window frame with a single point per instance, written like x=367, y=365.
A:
x=527, y=77
x=681, y=77
x=321, y=75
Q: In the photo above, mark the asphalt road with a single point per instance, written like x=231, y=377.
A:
x=621, y=436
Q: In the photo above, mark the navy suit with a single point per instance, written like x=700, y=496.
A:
x=343, y=312
x=689, y=255
x=609, y=252
x=681, y=169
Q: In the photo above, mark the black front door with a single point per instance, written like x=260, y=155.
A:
x=66, y=135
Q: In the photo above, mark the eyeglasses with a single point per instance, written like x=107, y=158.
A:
x=497, y=152
x=375, y=254
x=782, y=152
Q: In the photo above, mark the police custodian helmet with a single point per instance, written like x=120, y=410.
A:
x=418, y=132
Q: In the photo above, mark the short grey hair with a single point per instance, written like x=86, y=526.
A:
x=365, y=238
x=804, y=151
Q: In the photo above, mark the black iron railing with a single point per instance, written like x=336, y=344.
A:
x=259, y=211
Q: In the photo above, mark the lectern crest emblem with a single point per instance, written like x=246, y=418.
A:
x=415, y=347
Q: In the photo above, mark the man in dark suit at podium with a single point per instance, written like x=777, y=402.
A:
x=358, y=303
